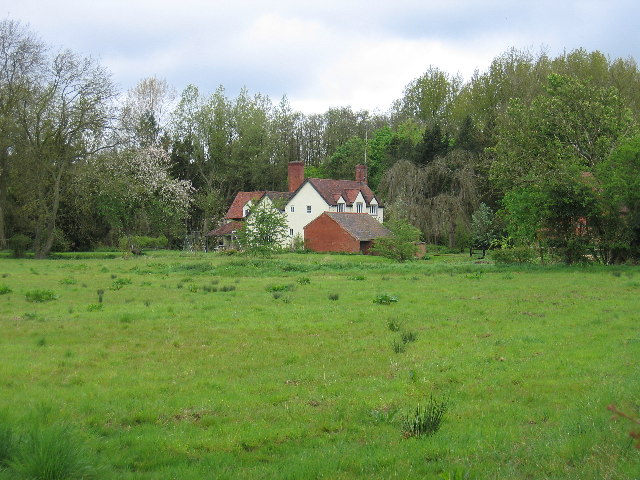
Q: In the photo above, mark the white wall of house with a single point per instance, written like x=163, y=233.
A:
x=298, y=212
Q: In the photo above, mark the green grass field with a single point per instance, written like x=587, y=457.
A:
x=206, y=366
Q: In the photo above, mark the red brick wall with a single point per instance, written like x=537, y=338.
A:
x=325, y=235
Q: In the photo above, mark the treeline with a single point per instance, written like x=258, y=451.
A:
x=549, y=144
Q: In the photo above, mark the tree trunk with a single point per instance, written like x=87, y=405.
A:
x=43, y=251
x=4, y=182
x=452, y=231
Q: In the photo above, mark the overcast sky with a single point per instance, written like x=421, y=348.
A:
x=320, y=54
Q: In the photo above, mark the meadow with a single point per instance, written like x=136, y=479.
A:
x=302, y=366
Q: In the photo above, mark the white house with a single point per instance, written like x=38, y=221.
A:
x=306, y=200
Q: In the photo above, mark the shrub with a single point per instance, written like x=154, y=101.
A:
x=400, y=246
x=513, y=255
x=40, y=295
x=4, y=290
x=19, y=244
x=304, y=281
x=385, y=299
x=334, y=296
x=425, y=420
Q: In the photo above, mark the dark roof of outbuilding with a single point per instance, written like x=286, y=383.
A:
x=226, y=229
x=361, y=226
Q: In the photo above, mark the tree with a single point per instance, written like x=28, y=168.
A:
x=145, y=113
x=265, y=231
x=135, y=193
x=439, y=198
x=483, y=228
x=22, y=58
x=62, y=120
x=402, y=245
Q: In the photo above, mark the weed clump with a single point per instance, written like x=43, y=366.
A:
x=408, y=337
x=334, y=296
x=4, y=289
x=394, y=325
x=385, y=299
x=40, y=295
x=425, y=420
x=397, y=346
x=281, y=288
x=304, y=281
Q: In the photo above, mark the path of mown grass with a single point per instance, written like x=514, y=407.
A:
x=171, y=379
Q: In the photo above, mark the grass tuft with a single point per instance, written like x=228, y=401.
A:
x=50, y=452
x=425, y=420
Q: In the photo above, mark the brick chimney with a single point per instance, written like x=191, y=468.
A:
x=296, y=175
x=361, y=174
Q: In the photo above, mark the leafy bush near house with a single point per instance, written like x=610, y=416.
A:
x=401, y=246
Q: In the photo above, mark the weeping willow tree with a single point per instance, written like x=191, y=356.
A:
x=438, y=198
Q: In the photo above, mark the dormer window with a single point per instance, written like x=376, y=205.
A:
x=359, y=207
x=246, y=212
x=340, y=207
x=373, y=209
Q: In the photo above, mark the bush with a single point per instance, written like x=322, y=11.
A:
x=4, y=290
x=505, y=256
x=40, y=295
x=426, y=420
x=401, y=245
x=19, y=244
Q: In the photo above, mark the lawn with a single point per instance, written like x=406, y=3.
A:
x=191, y=366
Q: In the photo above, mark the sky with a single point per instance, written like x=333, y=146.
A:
x=320, y=54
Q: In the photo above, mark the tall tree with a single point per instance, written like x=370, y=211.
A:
x=62, y=121
x=22, y=59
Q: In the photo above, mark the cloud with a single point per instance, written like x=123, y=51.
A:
x=321, y=53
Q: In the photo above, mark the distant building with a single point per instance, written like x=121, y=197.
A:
x=307, y=200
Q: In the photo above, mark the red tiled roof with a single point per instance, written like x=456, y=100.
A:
x=235, y=210
x=226, y=229
x=361, y=226
x=348, y=189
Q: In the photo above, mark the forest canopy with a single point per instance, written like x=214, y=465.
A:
x=548, y=143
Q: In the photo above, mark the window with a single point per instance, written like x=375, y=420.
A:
x=373, y=209
x=359, y=207
x=292, y=209
x=291, y=232
x=340, y=207
x=308, y=208
x=246, y=212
